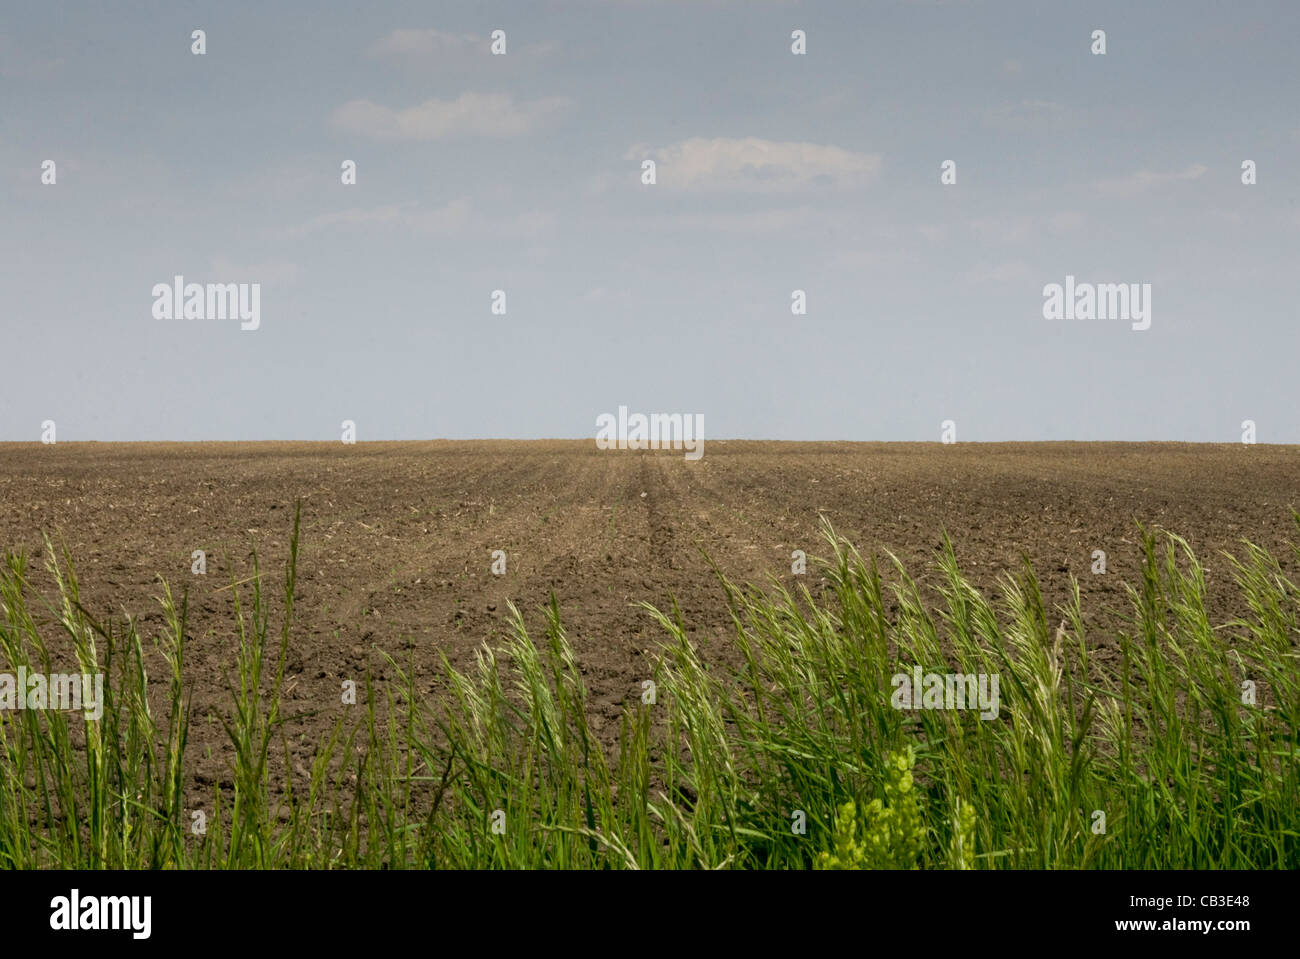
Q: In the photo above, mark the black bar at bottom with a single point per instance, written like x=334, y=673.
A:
x=349, y=909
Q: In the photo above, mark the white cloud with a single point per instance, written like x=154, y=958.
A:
x=423, y=43
x=470, y=114
x=754, y=164
x=414, y=47
x=1144, y=180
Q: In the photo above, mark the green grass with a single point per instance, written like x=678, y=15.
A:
x=501, y=768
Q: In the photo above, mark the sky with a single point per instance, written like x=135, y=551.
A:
x=774, y=172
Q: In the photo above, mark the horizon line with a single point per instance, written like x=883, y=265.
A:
x=662, y=448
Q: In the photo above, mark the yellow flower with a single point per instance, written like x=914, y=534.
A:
x=893, y=835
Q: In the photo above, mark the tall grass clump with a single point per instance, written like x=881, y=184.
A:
x=81, y=791
x=1168, y=742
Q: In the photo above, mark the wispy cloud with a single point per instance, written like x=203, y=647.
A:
x=469, y=115
x=1012, y=271
x=750, y=222
x=423, y=43
x=18, y=63
x=1144, y=180
x=457, y=217
x=443, y=219
x=757, y=165
x=421, y=47
x=1026, y=116
x=271, y=272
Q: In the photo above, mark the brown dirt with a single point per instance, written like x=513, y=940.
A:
x=397, y=537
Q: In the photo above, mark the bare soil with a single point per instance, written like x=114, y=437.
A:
x=397, y=539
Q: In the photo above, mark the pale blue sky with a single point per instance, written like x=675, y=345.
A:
x=522, y=172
